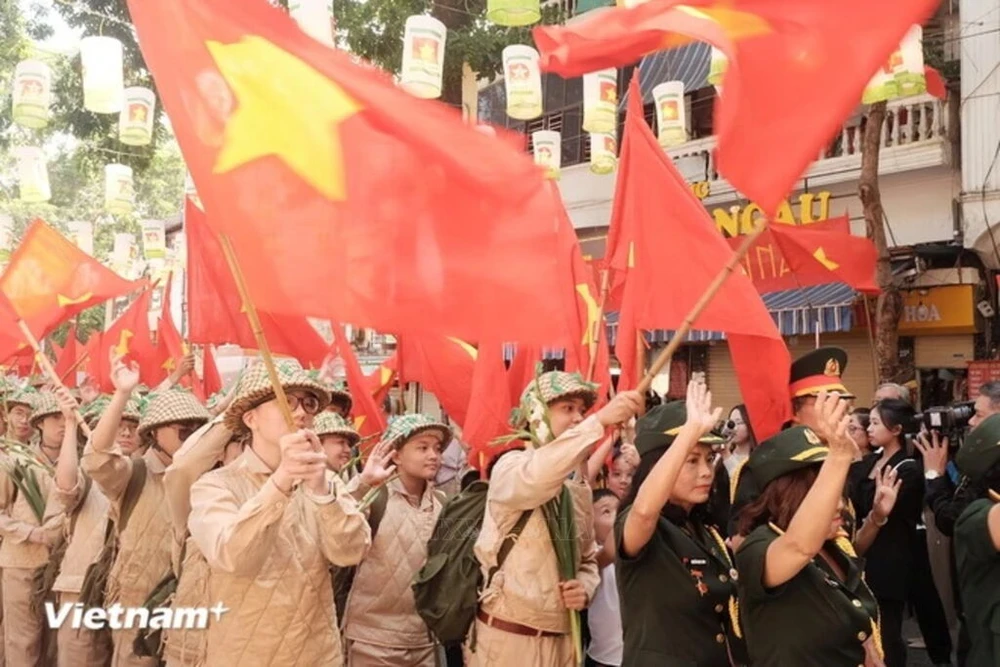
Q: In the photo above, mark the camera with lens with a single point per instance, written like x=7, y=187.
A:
x=949, y=421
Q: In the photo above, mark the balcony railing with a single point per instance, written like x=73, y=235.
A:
x=911, y=125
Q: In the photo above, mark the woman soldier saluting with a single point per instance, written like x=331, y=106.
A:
x=802, y=598
x=676, y=578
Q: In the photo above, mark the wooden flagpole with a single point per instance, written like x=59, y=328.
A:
x=258, y=331
x=667, y=353
x=595, y=338
x=46, y=365
x=76, y=365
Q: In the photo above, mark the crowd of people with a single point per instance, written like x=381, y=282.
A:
x=623, y=531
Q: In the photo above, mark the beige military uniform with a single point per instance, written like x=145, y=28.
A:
x=525, y=591
x=143, y=558
x=25, y=633
x=269, y=558
x=81, y=647
x=381, y=623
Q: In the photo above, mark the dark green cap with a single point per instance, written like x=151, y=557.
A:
x=981, y=449
x=659, y=427
x=819, y=370
x=790, y=450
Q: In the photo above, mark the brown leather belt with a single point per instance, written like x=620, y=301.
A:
x=513, y=628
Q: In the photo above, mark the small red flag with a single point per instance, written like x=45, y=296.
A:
x=523, y=369
x=130, y=336
x=369, y=419
x=489, y=409
x=66, y=363
x=444, y=366
x=816, y=256
x=49, y=279
x=776, y=49
x=380, y=381
x=338, y=203
x=672, y=251
x=216, y=314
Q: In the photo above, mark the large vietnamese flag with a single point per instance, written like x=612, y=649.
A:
x=671, y=250
x=776, y=48
x=49, y=279
x=346, y=197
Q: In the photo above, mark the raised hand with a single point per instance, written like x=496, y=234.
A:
x=300, y=461
x=934, y=450
x=886, y=492
x=622, y=407
x=700, y=414
x=124, y=377
x=379, y=466
x=67, y=404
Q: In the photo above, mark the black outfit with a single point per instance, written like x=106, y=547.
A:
x=675, y=596
x=927, y=605
x=718, y=500
x=890, y=559
x=813, y=620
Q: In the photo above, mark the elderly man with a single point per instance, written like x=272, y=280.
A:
x=891, y=390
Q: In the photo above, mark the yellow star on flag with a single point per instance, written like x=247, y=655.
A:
x=821, y=257
x=469, y=349
x=593, y=312
x=64, y=301
x=123, y=339
x=297, y=121
x=736, y=23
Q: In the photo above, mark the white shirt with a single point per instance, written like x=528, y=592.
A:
x=605, y=621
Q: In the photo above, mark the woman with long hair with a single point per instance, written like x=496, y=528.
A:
x=675, y=575
x=741, y=438
x=858, y=430
x=803, y=600
x=889, y=544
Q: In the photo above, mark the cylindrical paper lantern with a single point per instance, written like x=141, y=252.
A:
x=122, y=253
x=671, y=118
x=513, y=12
x=103, y=86
x=315, y=18
x=83, y=235
x=910, y=75
x=600, y=101
x=547, y=149
x=423, y=56
x=603, y=153
x=33, y=174
x=135, y=125
x=32, y=93
x=717, y=67
x=118, y=190
x=523, y=82
x=154, y=239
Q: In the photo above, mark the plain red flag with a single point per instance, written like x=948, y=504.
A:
x=776, y=50
x=170, y=344
x=369, y=419
x=49, y=280
x=523, y=369
x=380, y=380
x=489, y=410
x=444, y=366
x=672, y=251
x=215, y=309
x=345, y=196
x=67, y=361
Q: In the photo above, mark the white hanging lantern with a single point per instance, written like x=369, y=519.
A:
x=910, y=77
x=600, y=101
x=523, y=82
x=671, y=117
x=423, y=56
x=83, y=235
x=103, y=84
x=717, y=67
x=513, y=12
x=118, y=189
x=314, y=17
x=154, y=240
x=33, y=174
x=547, y=149
x=135, y=124
x=603, y=153
x=122, y=253
x=32, y=94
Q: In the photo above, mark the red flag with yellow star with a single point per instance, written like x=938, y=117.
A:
x=380, y=381
x=776, y=49
x=820, y=256
x=130, y=336
x=215, y=309
x=49, y=279
x=672, y=252
x=444, y=365
x=343, y=195
x=68, y=360
x=171, y=346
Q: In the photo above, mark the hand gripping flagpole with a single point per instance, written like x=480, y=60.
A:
x=258, y=331
x=667, y=353
x=595, y=338
x=47, y=368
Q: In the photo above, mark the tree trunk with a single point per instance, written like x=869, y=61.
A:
x=889, y=305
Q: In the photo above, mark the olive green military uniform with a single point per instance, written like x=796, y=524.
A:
x=678, y=591
x=976, y=556
x=816, y=618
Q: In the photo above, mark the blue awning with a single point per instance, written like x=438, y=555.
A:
x=797, y=312
x=688, y=63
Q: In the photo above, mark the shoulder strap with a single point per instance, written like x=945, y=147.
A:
x=508, y=542
x=377, y=510
x=87, y=482
x=132, y=492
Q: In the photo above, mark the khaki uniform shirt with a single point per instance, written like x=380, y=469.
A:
x=269, y=558
x=143, y=558
x=89, y=525
x=381, y=609
x=17, y=521
x=526, y=589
